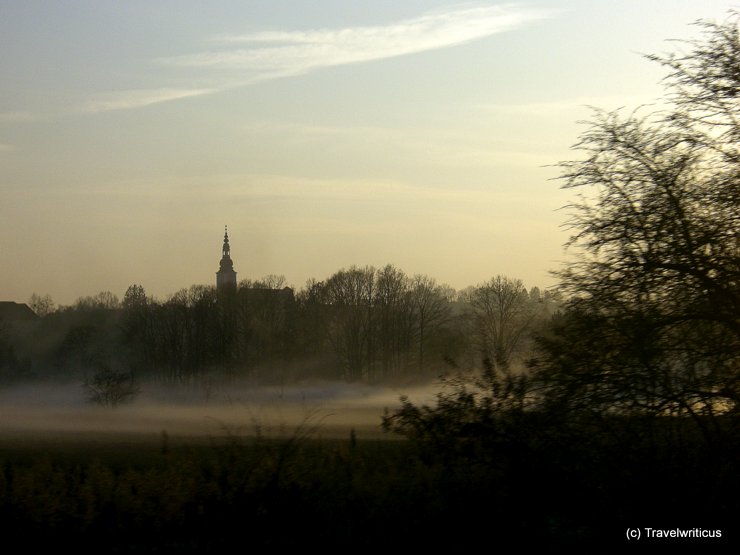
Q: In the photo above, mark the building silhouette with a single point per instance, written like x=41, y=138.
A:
x=227, y=287
x=226, y=276
x=12, y=312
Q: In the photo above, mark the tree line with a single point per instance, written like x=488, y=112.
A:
x=361, y=324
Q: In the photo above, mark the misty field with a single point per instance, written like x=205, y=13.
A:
x=326, y=409
x=177, y=479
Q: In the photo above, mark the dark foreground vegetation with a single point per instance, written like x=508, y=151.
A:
x=615, y=414
x=535, y=483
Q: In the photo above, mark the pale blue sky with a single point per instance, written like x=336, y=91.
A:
x=324, y=133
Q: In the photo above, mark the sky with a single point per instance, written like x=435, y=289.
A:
x=324, y=133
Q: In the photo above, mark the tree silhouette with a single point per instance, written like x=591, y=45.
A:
x=653, y=323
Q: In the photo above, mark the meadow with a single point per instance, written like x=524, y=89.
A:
x=136, y=492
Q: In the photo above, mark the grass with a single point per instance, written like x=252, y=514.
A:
x=119, y=493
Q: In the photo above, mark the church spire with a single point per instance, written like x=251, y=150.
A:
x=225, y=252
x=226, y=276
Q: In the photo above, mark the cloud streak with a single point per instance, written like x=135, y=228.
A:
x=246, y=59
x=274, y=54
x=139, y=98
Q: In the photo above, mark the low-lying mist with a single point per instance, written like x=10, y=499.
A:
x=317, y=409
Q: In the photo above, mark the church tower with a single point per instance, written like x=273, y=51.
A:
x=226, y=276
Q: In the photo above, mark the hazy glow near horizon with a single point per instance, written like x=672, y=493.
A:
x=325, y=134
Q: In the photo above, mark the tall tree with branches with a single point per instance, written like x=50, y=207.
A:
x=653, y=323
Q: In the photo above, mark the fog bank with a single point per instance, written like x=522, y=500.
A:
x=320, y=410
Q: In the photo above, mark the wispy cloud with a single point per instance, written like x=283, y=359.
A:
x=273, y=54
x=138, y=98
x=245, y=59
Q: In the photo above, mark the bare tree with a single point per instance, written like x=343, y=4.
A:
x=393, y=320
x=431, y=309
x=105, y=300
x=41, y=305
x=503, y=314
x=653, y=323
x=110, y=388
x=350, y=294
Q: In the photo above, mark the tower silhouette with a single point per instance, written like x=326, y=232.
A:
x=226, y=276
